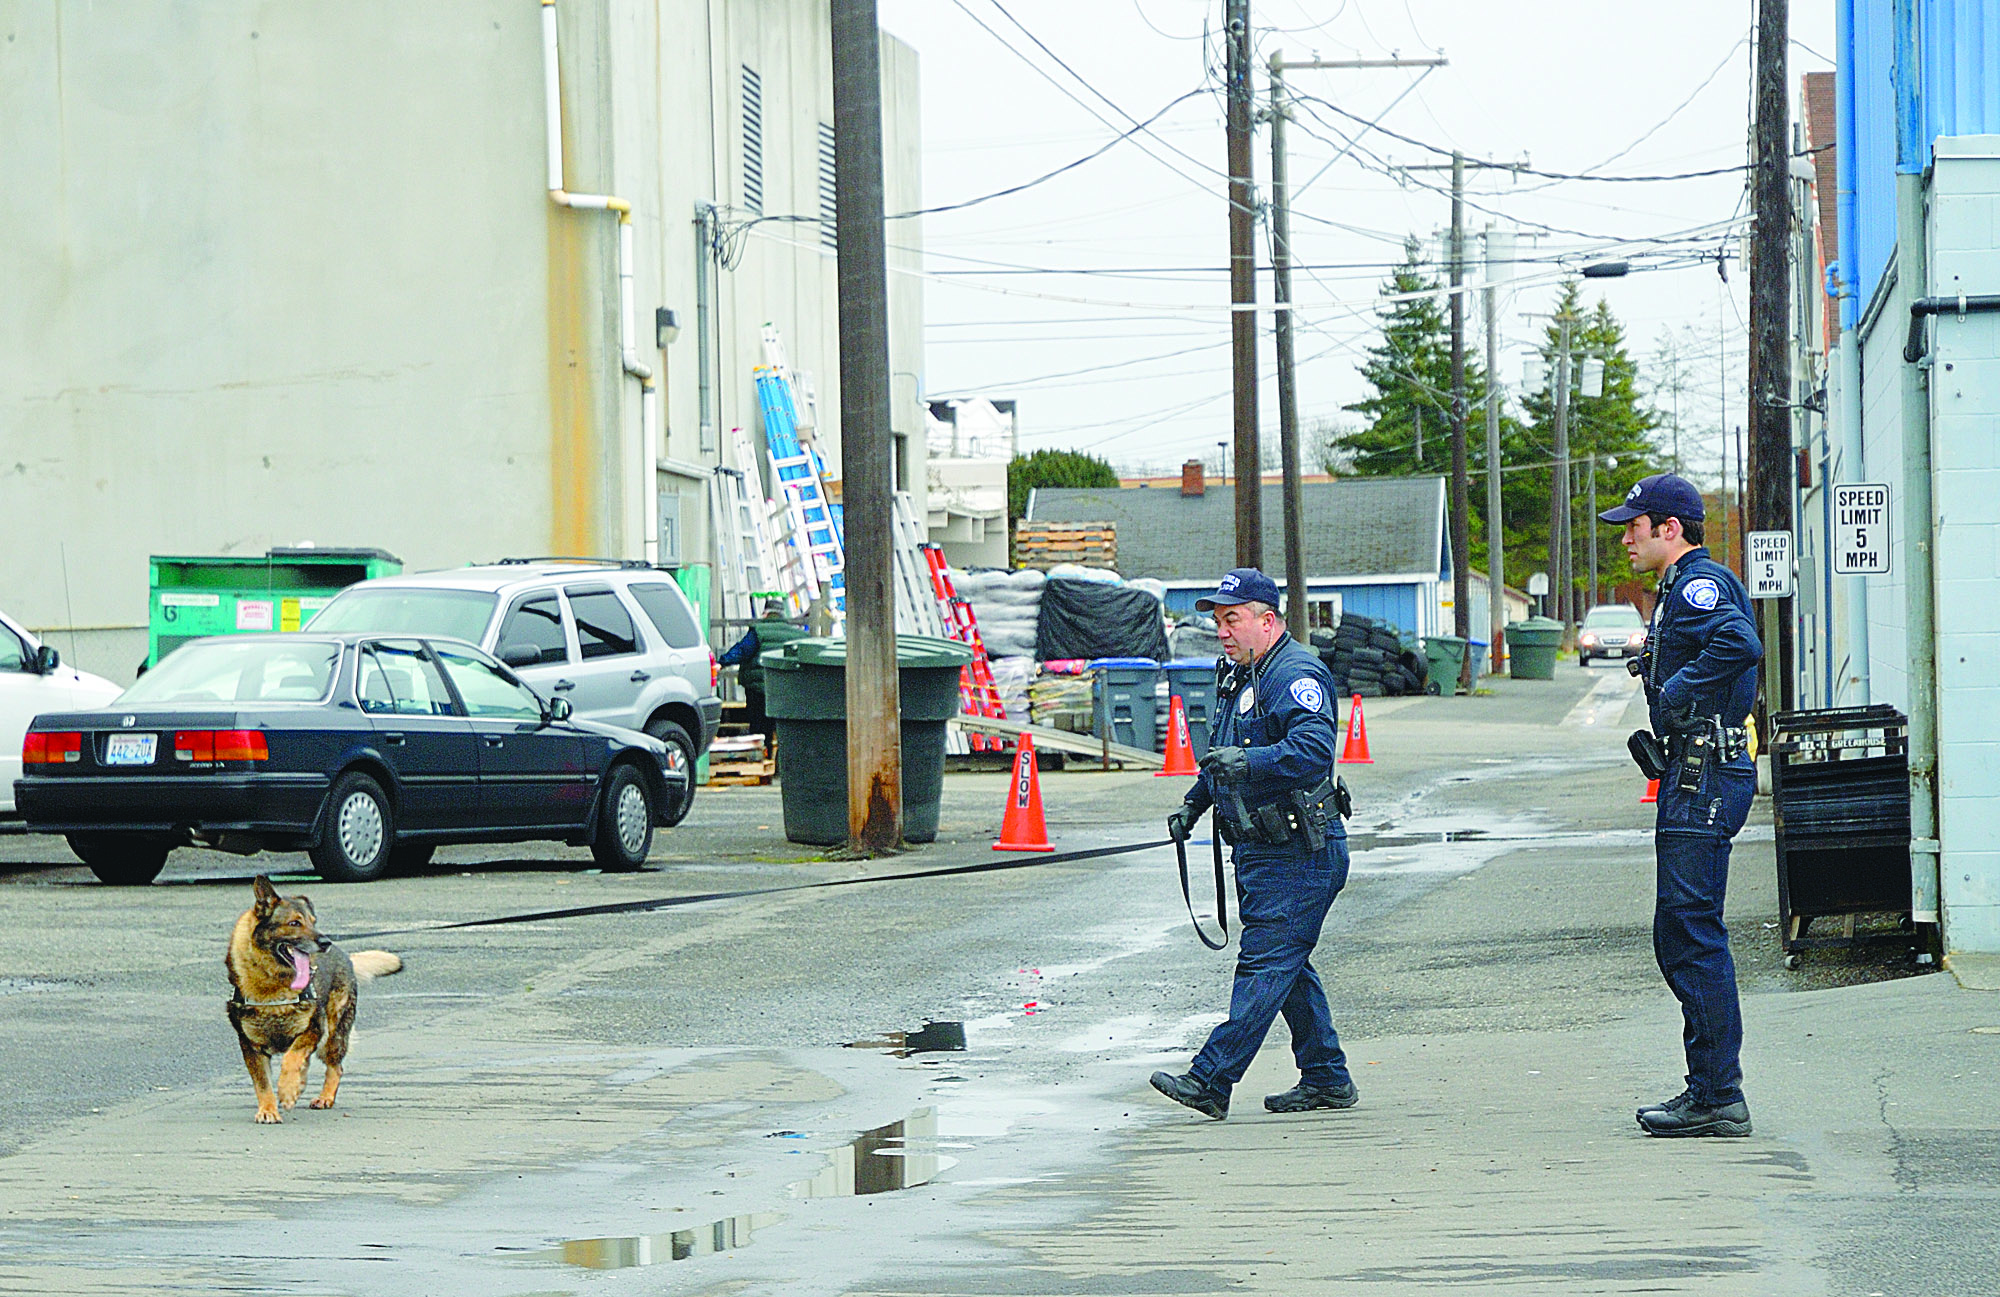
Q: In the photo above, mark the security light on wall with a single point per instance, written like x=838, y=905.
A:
x=666, y=327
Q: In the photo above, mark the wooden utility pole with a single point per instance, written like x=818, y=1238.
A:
x=1559, y=557
x=1298, y=597
x=1496, y=563
x=1243, y=290
x=874, y=728
x=1768, y=505
x=1461, y=518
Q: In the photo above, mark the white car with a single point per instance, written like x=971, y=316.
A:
x=32, y=681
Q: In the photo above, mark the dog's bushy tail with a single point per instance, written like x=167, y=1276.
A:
x=371, y=964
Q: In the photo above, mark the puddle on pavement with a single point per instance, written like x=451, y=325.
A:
x=900, y=1155
x=1371, y=841
x=932, y=1038
x=723, y=1235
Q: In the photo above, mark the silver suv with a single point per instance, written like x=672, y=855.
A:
x=617, y=639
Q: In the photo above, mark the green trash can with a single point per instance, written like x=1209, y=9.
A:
x=1447, y=658
x=195, y=596
x=805, y=692
x=1531, y=648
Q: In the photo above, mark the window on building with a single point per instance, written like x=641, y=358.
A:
x=828, y=210
x=753, y=141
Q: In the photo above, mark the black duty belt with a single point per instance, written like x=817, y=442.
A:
x=1221, y=892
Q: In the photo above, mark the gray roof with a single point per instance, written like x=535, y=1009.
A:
x=1354, y=527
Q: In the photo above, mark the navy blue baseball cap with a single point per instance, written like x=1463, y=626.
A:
x=1660, y=493
x=1242, y=585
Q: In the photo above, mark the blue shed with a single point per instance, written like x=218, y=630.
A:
x=1375, y=546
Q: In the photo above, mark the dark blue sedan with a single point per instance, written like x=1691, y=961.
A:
x=365, y=751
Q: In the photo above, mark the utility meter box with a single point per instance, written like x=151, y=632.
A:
x=235, y=594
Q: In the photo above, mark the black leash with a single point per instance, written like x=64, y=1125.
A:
x=1187, y=893
x=675, y=902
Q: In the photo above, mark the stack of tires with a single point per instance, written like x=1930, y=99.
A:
x=1368, y=657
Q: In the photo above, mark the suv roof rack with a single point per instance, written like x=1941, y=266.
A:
x=638, y=564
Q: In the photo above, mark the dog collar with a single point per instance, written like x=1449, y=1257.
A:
x=304, y=997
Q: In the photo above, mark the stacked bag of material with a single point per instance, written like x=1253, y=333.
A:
x=1368, y=657
x=1008, y=606
x=1011, y=678
x=1063, y=702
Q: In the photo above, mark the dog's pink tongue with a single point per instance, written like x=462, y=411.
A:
x=301, y=970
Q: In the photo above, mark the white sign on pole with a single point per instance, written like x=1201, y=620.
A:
x=1770, y=567
x=1861, y=528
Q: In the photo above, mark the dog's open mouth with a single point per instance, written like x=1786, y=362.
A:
x=301, y=966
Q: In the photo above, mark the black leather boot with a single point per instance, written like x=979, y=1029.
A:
x=1305, y=1098
x=1190, y=1093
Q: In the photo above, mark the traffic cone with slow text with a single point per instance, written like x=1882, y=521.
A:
x=1022, y=828
x=1355, y=753
x=1180, y=753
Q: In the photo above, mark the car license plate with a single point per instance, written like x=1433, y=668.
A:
x=130, y=749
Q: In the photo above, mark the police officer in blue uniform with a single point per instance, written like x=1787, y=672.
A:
x=1699, y=669
x=1269, y=776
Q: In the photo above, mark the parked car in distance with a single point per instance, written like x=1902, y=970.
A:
x=34, y=680
x=364, y=751
x=1610, y=630
x=618, y=639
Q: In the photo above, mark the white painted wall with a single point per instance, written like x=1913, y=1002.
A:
x=1965, y=448
x=290, y=272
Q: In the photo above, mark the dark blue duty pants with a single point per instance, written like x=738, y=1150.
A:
x=1691, y=847
x=1282, y=895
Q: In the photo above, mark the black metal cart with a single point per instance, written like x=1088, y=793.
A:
x=1840, y=796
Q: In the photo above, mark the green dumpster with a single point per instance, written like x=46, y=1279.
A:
x=230, y=594
x=1447, y=657
x=1531, y=648
x=805, y=692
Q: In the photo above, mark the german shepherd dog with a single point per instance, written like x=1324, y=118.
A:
x=294, y=992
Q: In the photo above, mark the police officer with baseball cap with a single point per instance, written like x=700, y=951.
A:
x=1269, y=777
x=1699, y=669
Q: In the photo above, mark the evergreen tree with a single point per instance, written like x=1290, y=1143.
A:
x=1616, y=428
x=1053, y=468
x=1408, y=428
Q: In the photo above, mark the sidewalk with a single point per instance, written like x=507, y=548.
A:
x=1503, y=1029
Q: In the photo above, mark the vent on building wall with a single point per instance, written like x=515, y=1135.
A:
x=828, y=212
x=753, y=141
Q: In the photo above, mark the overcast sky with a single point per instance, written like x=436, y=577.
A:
x=1099, y=299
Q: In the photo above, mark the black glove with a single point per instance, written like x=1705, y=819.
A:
x=1681, y=718
x=1180, y=825
x=1230, y=765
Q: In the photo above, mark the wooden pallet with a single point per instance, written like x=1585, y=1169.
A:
x=740, y=774
x=1046, y=544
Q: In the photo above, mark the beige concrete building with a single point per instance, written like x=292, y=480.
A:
x=279, y=273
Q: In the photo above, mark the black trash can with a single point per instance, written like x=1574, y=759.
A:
x=805, y=693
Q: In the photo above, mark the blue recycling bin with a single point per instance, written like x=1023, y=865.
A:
x=1192, y=680
x=1124, y=693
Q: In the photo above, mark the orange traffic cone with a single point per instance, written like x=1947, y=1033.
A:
x=1355, y=753
x=1652, y=793
x=1180, y=753
x=1022, y=829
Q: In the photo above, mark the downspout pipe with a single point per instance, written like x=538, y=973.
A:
x=1913, y=350
x=628, y=346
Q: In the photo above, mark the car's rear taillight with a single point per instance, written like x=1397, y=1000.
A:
x=51, y=748
x=221, y=745
x=194, y=745
x=714, y=672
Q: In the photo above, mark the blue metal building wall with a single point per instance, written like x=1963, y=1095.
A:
x=1909, y=72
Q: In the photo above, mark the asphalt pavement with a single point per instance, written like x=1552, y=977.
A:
x=704, y=1096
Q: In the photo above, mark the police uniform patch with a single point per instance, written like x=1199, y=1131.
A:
x=1702, y=593
x=1308, y=694
x=1247, y=699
